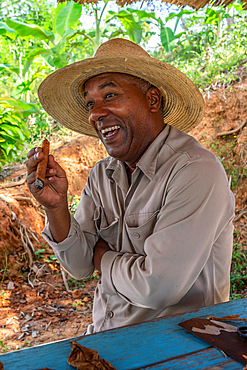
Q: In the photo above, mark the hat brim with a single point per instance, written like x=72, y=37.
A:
x=61, y=92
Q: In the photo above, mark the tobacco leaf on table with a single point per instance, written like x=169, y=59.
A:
x=227, y=318
x=83, y=358
x=1, y=366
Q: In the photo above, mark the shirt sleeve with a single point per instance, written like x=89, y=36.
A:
x=75, y=253
x=198, y=206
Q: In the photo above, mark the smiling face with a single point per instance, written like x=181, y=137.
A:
x=126, y=115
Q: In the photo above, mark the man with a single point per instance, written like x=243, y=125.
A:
x=155, y=216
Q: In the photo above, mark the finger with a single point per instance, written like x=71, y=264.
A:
x=33, y=151
x=33, y=161
x=54, y=170
x=51, y=172
x=52, y=164
x=31, y=178
x=50, y=177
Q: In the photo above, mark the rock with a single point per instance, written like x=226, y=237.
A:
x=76, y=293
x=10, y=286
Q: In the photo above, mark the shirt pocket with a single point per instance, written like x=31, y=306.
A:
x=106, y=229
x=138, y=234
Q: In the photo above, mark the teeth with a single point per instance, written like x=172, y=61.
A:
x=108, y=129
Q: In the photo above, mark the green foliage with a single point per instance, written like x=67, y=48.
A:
x=125, y=22
x=226, y=154
x=4, y=347
x=5, y=30
x=73, y=283
x=167, y=36
x=76, y=283
x=29, y=30
x=238, y=268
x=13, y=131
x=40, y=253
x=41, y=124
x=67, y=17
x=56, y=47
x=51, y=258
x=3, y=271
x=208, y=51
x=52, y=46
x=73, y=203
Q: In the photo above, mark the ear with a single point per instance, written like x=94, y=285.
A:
x=155, y=99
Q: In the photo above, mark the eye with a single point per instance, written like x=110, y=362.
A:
x=89, y=105
x=109, y=95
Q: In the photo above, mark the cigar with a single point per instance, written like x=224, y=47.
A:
x=42, y=166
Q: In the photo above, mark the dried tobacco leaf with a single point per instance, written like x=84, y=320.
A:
x=1, y=366
x=226, y=318
x=83, y=358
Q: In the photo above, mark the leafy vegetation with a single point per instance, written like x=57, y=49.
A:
x=13, y=130
x=230, y=161
x=3, y=345
x=73, y=203
x=239, y=267
x=209, y=50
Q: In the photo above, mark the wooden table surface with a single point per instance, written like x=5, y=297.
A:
x=157, y=344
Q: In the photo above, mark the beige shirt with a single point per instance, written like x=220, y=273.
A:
x=170, y=233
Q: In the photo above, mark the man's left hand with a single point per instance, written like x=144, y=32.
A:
x=101, y=247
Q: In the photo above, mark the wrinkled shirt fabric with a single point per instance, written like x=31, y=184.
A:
x=170, y=233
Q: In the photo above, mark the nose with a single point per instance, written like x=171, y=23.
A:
x=97, y=114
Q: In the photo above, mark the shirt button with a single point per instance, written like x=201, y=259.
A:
x=110, y=314
x=136, y=235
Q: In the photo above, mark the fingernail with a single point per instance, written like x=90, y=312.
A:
x=51, y=171
x=36, y=156
x=36, y=150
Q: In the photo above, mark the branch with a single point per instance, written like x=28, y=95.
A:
x=234, y=131
x=239, y=216
x=13, y=183
x=102, y=11
x=243, y=62
x=88, y=37
x=27, y=199
x=65, y=280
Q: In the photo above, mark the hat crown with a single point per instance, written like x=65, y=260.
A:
x=116, y=47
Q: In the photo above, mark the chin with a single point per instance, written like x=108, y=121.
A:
x=116, y=153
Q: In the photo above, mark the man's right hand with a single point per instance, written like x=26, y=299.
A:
x=54, y=192
x=53, y=196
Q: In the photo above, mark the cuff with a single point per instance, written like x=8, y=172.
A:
x=107, y=262
x=66, y=243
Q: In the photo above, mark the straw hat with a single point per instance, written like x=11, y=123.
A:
x=61, y=92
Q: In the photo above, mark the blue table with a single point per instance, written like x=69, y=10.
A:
x=157, y=344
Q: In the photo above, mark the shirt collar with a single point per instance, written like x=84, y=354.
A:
x=148, y=160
